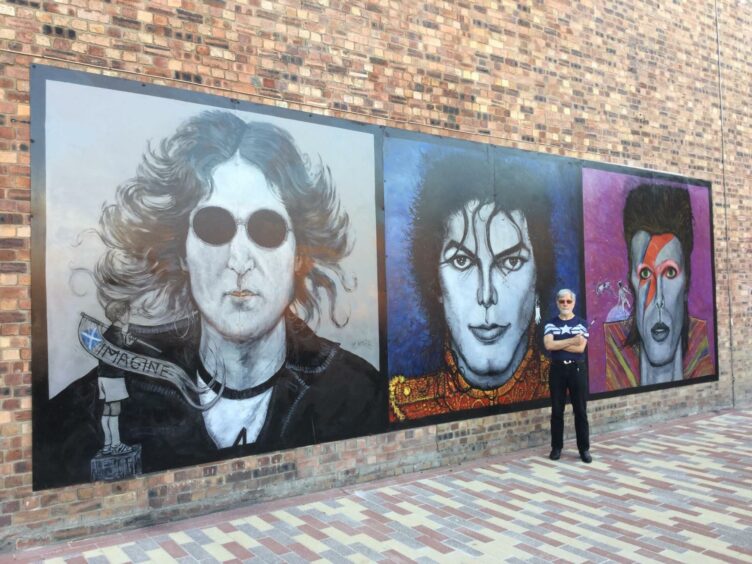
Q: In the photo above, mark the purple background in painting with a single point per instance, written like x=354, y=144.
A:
x=603, y=197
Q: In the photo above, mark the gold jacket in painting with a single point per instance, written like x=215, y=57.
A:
x=447, y=390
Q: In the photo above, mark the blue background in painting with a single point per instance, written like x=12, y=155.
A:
x=411, y=343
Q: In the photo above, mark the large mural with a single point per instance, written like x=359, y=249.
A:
x=213, y=279
x=210, y=283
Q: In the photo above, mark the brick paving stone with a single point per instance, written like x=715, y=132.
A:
x=332, y=556
x=539, y=554
x=494, y=527
x=653, y=494
x=598, y=544
x=376, y=516
x=743, y=541
x=83, y=544
x=407, y=539
x=312, y=531
x=249, y=530
x=273, y=545
x=226, y=527
x=584, y=554
x=135, y=553
x=433, y=533
x=745, y=552
x=146, y=544
x=397, y=558
x=294, y=558
x=668, y=544
x=344, y=527
x=724, y=557
x=237, y=550
x=426, y=560
x=542, y=538
x=436, y=512
x=376, y=534
x=338, y=547
x=554, y=528
x=199, y=536
x=195, y=550
x=610, y=556
x=436, y=545
x=658, y=557
x=521, y=538
x=263, y=554
x=456, y=535
x=303, y=551
x=620, y=531
x=366, y=551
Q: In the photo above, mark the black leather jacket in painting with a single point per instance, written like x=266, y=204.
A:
x=322, y=393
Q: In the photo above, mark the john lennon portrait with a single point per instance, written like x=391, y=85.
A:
x=218, y=288
x=469, y=274
x=652, y=294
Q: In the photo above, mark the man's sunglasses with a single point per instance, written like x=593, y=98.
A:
x=217, y=226
x=565, y=301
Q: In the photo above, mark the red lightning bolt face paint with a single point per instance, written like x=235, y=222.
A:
x=659, y=279
x=648, y=271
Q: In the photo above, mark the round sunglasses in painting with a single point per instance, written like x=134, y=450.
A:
x=217, y=226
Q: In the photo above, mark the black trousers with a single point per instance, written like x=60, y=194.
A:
x=572, y=377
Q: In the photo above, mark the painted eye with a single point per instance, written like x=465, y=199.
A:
x=461, y=262
x=513, y=263
x=671, y=272
x=645, y=273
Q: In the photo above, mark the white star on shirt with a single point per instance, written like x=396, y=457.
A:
x=566, y=330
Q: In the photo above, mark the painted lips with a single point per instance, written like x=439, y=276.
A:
x=488, y=334
x=660, y=331
x=241, y=294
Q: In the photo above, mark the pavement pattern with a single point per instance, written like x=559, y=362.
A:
x=679, y=491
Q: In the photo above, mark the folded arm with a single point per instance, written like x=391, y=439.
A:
x=574, y=344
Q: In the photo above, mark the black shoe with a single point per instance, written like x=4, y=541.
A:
x=555, y=454
x=585, y=456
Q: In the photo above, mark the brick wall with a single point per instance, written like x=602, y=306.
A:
x=733, y=241
x=661, y=86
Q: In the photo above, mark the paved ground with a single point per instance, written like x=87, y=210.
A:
x=675, y=492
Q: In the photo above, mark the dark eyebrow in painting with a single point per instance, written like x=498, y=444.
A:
x=459, y=247
x=513, y=250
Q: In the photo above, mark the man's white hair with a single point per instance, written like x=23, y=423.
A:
x=561, y=293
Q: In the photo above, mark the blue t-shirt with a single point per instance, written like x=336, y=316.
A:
x=562, y=329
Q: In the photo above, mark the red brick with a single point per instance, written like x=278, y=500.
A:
x=618, y=110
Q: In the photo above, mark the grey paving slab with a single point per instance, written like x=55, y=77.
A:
x=674, y=488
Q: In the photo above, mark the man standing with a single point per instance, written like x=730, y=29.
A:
x=565, y=337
